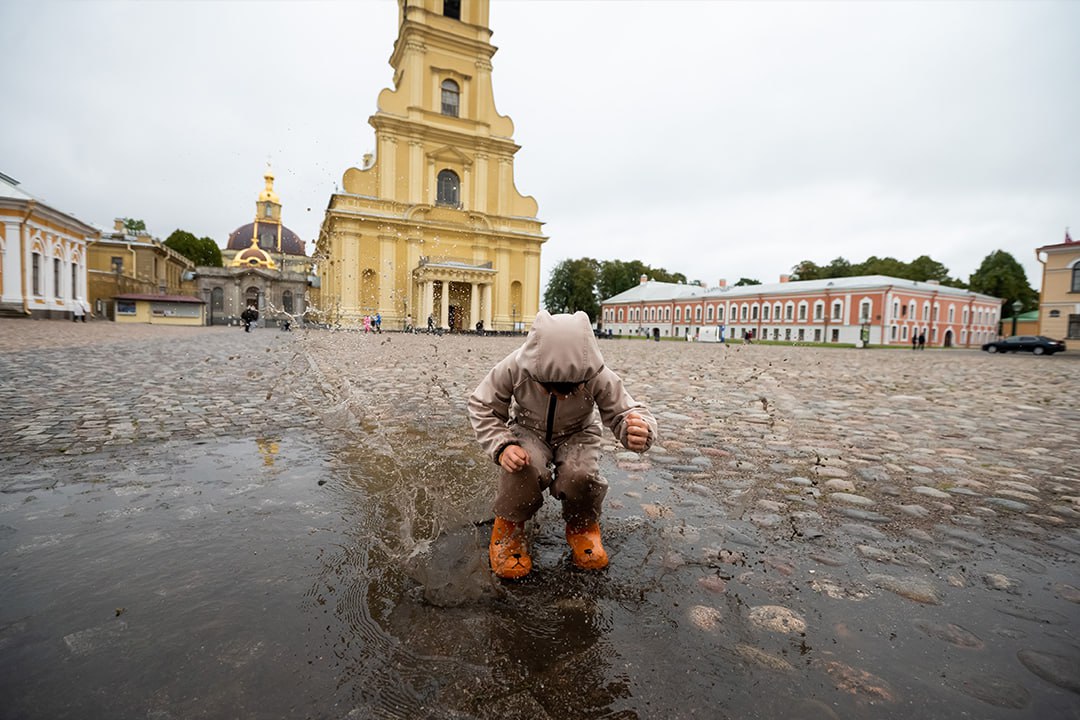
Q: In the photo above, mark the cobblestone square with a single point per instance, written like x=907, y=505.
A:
x=199, y=522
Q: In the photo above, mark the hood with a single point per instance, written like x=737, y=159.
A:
x=561, y=348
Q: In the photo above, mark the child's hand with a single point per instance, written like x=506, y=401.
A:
x=637, y=432
x=513, y=458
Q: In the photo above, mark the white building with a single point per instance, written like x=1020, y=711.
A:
x=873, y=309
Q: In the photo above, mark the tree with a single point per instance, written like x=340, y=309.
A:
x=134, y=226
x=201, y=251
x=806, y=270
x=1002, y=276
x=616, y=276
x=747, y=281
x=572, y=287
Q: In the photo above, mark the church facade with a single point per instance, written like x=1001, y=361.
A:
x=433, y=225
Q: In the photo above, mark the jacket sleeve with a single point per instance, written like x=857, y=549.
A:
x=615, y=403
x=489, y=408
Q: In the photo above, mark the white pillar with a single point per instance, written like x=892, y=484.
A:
x=12, y=262
x=429, y=302
x=444, y=308
x=486, y=290
x=474, y=304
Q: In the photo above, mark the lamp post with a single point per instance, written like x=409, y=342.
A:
x=1016, y=307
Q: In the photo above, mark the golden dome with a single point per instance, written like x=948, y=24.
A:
x=253, y=256
x=268, y=193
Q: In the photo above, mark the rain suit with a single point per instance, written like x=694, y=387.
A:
x=559, y=432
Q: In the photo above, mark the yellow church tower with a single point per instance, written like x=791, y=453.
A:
x=433, y=225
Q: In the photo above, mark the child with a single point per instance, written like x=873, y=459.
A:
x=536, y=408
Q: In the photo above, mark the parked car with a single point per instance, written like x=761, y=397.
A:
x=1025, y=343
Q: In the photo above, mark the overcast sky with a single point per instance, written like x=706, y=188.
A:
x=716, y=139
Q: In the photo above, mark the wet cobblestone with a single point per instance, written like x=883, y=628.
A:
x=805, y=483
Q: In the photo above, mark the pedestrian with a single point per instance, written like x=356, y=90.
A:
x=249, y=316
x=479, y=327
x=78, y=312
x=378, y=322
x=534, y=416
x=914, y=338
x=87, y=311
x=922, y=340
x=367, y=324
x=431, y=323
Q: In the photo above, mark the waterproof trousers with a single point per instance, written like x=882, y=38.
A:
x=568, y=468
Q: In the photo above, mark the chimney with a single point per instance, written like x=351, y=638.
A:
x=723, y=283
x=785, y=278
x=643, y=279
x=118, y=225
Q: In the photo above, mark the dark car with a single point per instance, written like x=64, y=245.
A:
x=1025, y=343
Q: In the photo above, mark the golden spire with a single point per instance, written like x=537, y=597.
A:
x=268, y=193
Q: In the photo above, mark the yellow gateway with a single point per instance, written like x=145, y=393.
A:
x=433, y=226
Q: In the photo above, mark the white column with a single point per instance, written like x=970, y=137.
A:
x=12, y=260
x=444, y=308
x=429, y=303
x=474, y=304
x=486, y=289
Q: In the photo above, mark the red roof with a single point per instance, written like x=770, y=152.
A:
x=160, y=298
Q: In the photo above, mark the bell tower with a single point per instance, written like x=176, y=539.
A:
x=433, y=224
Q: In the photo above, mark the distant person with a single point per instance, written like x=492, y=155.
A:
x=78, y=312
x=249, y=316
x=367, y=324
x=535, y=416
x=922, y=341
x=431, y=323
x=408, y=323
x=378, y=322
x=480, y=327
x=914, y=340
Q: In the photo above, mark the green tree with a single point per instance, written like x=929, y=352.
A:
x=572, y=287
x=747, y=281
x=134, y=226
x=202, y=251
x=806, y=270
x=616, y=276
x=1002, y=276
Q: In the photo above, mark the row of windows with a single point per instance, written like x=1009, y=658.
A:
x=37, y=277
x=751, y=313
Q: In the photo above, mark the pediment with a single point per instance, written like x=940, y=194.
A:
x=449, y=154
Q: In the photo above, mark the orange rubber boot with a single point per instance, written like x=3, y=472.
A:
x=589, y=553
x=508, y=554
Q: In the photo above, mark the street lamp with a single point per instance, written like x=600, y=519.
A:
x=1016, y=307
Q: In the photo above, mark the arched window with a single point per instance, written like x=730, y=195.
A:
x=451, y=98
x=765, y=312
x=452, y=9
x=286, y=301
x=217, y=300
x=697, y=314
x=449, y=189
x=251, y=297
x=678, y=314
x=709, y=314
x=1076, y=278
x=719, y=313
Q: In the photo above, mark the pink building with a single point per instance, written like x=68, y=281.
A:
x=877, y=309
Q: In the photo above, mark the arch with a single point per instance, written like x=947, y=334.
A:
x=451, y=98
x=369, y=290
x=287, y=301
x=251, y=296
x=449, y=189
x=217, y=300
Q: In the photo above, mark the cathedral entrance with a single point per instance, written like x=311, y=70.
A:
x=454, y=317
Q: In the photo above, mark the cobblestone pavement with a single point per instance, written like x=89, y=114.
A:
x=285, y=524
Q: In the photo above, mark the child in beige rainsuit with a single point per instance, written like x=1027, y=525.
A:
x=536, y=408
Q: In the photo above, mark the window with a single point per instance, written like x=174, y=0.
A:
x=903, y=311
x=36, y=271
x=697, y=314
x=819, y=311
x=925, y=311
x=765, y=312
x=964, y=314
x=895, y=308
x=1076, y=278
x=789, y=314
x=719, y=313
x=1055, y=313
x=286, y=301
x=754, y=312
x=117, y=264
x=837, y=310
x=678, y=314
x=912, y=306
x=217, y=300
x=952, y=313
x=451, y=98
x=452, y=9
x=56, y=277
x=620, y=315
x=74, y=280
x=709, y=314
x=776, y=311
x=667, y=314
x=936, y=308
x=742, y=313
x=802, y=315
x=864, y=311
x=449, y=188
x=836, y=335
